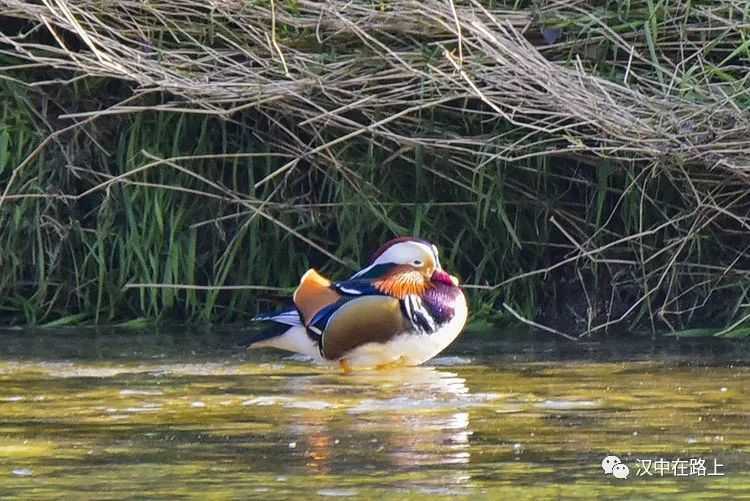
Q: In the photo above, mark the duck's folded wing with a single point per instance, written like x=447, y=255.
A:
x=361, y=320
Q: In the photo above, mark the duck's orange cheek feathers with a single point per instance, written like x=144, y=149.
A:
x=400, y=285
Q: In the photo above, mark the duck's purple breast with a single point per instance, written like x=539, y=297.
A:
x=440, y=300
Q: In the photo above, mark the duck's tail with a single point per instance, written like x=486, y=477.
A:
x=285, y=332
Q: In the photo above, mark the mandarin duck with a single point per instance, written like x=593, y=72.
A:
x=401, y=309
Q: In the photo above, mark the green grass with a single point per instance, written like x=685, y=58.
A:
x=150, y=230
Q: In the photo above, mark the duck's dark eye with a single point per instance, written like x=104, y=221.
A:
x=417, y=262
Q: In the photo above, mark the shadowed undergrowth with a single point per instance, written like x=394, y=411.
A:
x=585, y=161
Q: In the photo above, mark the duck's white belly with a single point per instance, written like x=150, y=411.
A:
x=413, y=348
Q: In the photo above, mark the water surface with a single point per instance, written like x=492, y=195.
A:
x=186, y=415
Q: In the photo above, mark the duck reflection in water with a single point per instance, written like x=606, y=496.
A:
x=402, y=420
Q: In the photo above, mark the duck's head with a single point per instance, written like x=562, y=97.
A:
x=407, y=265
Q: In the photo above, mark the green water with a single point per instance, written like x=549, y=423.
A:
x=188, y=416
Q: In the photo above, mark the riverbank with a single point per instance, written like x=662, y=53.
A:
x=182, y=161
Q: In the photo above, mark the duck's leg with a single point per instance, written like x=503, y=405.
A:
x=346, y=368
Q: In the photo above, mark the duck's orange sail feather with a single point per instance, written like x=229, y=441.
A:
x=313, y=294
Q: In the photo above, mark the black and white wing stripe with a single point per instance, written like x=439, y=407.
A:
x=357, y=287
x=288, y=316
x=419, y=316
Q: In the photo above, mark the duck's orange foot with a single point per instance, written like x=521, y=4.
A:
x=345, y=367
x=394, y=364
